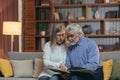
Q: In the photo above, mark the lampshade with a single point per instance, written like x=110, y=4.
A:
x=12, y=28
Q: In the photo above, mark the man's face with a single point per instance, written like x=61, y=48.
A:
x=72, y=37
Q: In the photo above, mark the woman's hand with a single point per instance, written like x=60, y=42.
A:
x=63, y=67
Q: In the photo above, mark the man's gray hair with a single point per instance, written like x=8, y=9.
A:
x=74, y=26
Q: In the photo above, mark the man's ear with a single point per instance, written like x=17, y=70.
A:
x=80, y=34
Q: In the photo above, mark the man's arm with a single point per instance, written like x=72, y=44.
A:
x=93, y=56
x=68, y=64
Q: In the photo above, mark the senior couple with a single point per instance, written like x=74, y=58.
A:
x=68, y=48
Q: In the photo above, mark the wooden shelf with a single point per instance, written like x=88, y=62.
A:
x=108, y=50
x=102, y=35
x=32, y=19
x=83, y=5
x=38, y=6
x=107, y=19
x=51, y=20
x=112, y=19
x=104, y=4
x=42, y=36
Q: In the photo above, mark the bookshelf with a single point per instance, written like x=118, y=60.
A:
x=108, y=27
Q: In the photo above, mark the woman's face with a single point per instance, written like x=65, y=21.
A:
x=60, y=37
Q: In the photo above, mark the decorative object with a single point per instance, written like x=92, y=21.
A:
x=56, y=16
x=98, y=31
x=76, y=1
x=87, y=29
x=117, y=46
x=12, y=28
x=106, y=1
x=80, y=17
x=45, y=3
x=112, y=14
x=69, y=16
x=113, y=30
x=115, y=1
x=42, y=28
x=99, y=1
x=100, y=47
x=96, y=15
x=96, y=12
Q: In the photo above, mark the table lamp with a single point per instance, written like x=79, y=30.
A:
x=12, y=28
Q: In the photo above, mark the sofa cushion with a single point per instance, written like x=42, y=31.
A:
x=6, y=67
x=22, y=68
x=107, y=68
x=13, y=78
x=38, y=67
x=115, y=71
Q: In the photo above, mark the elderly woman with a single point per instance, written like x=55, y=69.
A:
x=54, y=54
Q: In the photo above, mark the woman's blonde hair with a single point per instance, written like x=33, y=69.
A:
x=56, y=28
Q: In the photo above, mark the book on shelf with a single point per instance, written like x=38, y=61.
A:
x=72, y=70
x=45, y=3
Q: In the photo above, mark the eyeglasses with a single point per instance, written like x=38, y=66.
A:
x=60, y=35
x=72, y=36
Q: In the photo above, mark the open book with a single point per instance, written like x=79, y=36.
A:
x=72, y=70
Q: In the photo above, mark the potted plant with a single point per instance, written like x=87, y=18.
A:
x=42, y=28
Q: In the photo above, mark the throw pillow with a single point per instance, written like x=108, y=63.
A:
x=38, y=67
x=115, y=71
x=107, y=68
x=1, y=75
x=22, y=68
x=6, y=68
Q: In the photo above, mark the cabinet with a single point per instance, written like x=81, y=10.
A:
x=106, y=25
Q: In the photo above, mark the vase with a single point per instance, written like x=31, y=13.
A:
x=69, y=16
x=96, y=15
x=42, y=33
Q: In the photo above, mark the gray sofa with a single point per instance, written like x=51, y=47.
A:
x=33, y=55
x=115, y=55
x=22, y=56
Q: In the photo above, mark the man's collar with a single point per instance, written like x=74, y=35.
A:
x=79, y=42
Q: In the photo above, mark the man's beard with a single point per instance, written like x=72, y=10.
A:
x=71, y=43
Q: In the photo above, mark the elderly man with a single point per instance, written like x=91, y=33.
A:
x=82, y=53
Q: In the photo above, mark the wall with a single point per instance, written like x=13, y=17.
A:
x=8, y=12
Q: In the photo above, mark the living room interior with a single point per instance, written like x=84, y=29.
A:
x=100, y=21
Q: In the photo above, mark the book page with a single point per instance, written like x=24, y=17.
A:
x=58, y=70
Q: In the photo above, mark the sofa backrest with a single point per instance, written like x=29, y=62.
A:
x=24, y=55
x=115, y=55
